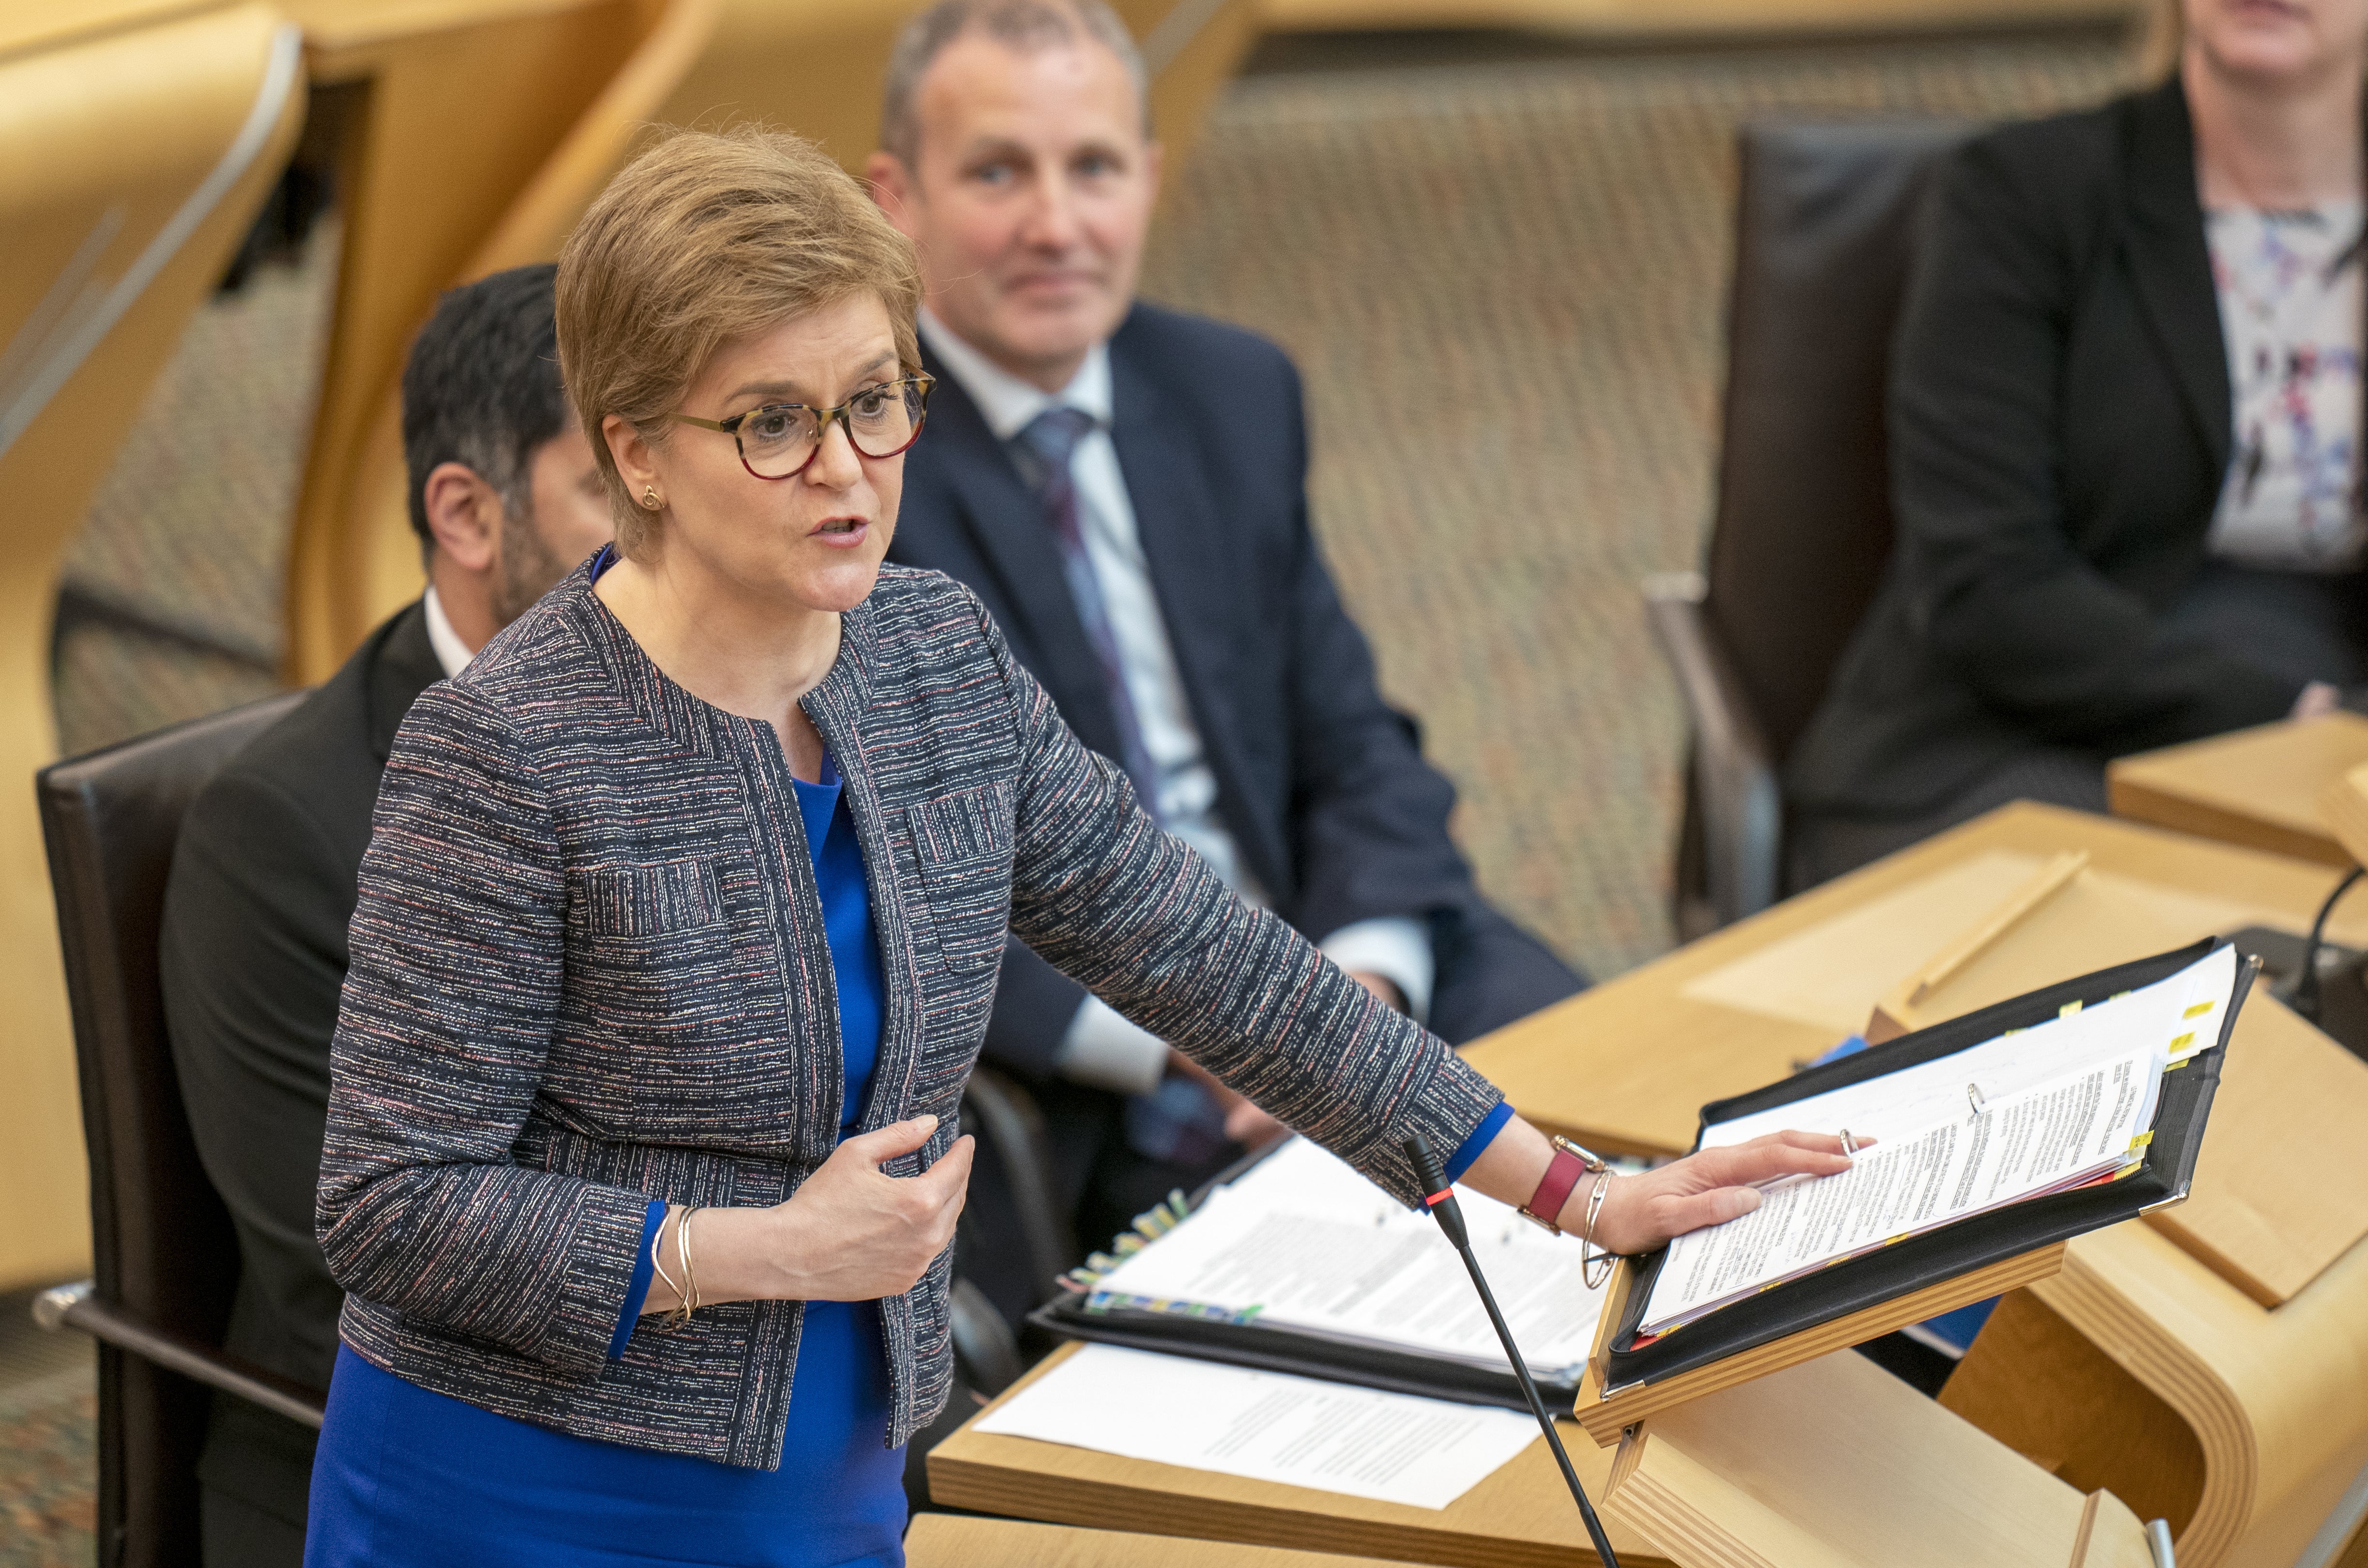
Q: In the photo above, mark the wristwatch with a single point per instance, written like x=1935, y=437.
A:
x=1569, y=1162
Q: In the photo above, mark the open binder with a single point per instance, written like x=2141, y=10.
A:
x=1288, y=1350
x=1920, y=1275
x=1190, y=1326
x=1851, y=1302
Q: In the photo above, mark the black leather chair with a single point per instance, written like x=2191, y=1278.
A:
x=165, y=1257
x=1824, y=233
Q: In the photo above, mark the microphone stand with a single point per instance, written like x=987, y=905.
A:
x=1440, y=1197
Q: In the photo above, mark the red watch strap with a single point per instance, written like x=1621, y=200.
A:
x=1553, y=1190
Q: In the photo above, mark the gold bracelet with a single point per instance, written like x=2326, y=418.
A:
x=1588, y=1257
x=657, y=1248
x=682, y=1255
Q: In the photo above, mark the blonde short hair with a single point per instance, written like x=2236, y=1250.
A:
x=703, y=238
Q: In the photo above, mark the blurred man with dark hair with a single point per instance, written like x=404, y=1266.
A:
x=506, y=499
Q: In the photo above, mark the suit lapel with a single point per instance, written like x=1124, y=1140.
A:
x=1178, y=521
x=2171, y=263
x=1007, y=527
x=403, y=666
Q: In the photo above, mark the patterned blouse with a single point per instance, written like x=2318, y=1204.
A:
x=2291, y=313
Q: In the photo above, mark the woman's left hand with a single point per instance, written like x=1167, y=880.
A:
x=1642, y=1213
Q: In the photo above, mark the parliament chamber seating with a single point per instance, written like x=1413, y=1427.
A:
x=1824, y=233
x=165, y=1257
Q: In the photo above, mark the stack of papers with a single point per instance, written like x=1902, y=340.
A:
x=2033, y=1112
x=1391, y=1447
x=1301, y=1241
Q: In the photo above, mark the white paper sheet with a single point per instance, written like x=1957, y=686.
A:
x=1309, y=1244
x=1389, y=1448
x=2052, y=1136
x=2032, y=1111
x=2180, y=1014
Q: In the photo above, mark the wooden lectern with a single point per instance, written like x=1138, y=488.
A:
x=1834, y=1463
x=1829, y=1463
x=2208, y=1364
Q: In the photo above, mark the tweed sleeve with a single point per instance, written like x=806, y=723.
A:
x=457, y=955
x=1136, y=916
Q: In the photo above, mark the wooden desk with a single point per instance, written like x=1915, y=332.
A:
x=2139, y=1369
x=2259, y=787
x=1829, y=1464
x=1631, y=1063
x=1519, y=1517
x=951, y=1540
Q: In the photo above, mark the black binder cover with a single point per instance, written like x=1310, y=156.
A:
x=2168, y=1170
x=1268, y=1348
x=1271, y=1349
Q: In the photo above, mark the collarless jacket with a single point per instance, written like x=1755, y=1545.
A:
x=589, y=968
x=2060, y=424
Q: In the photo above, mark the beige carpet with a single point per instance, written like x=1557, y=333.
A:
x=1505, y=283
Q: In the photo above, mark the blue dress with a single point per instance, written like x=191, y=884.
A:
x=408, y=1479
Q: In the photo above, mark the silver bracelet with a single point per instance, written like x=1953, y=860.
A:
x=657, y=1245
x=689, y=1292
x=1589, y=1258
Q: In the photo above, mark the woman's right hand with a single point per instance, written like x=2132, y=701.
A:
x=850, y=1233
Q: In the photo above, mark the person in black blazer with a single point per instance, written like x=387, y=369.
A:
x=2112, y=534
x=506, y=497
x=1207, y=650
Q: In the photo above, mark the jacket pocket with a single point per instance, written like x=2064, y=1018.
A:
x=645, y=901
x=657, y=995
x=962, y=842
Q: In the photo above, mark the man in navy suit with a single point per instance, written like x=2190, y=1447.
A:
x=1125, y=487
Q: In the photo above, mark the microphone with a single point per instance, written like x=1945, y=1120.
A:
x=1440, y=1199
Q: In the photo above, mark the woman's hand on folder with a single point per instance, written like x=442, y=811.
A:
x=1642, y=1213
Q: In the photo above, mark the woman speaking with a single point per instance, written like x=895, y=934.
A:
x=678, y=934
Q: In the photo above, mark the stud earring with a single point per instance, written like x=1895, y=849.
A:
x=650, y=497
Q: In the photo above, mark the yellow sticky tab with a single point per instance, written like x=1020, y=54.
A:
x=2199, y=1009
x=2068, y=1009
x=2142, y=1139
x=2176, y=1065
x=2184, y=1042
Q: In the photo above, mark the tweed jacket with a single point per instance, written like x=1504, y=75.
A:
x=589, y=968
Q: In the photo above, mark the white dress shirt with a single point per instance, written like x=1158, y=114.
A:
x=1102, y=1048
x=450, y=652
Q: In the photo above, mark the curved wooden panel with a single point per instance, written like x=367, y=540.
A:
x=2274, y=1397
x=459, y=103
x=134, y=164
x=1835, y=1463
x=2165, y=1376
x=813, y=66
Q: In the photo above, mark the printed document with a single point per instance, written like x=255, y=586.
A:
x=1389, y=1448
x=1302, y=1241
x=2033, y=1112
